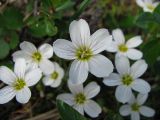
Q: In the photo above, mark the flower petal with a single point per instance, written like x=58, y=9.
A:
x=67, y=98
x=125, y=110
x=28, y=47
x=56, y=83
x=33, y=76
x=147, y=111
x=141, y=98
x=47, y=81
x=23, y=95
x=21, y=54
x=91, y=90
x=6, y=75
x=135, y=116
x=64, y=49
x=141, y=86
x=78, y=72
x=100, y=66
x=123, y=93
x=113, y=47
x=20, y=68
x=134, y=42
x=140, y=3
x=75, y=88
x=79, y=32
x=92, y=108
x=134, y=54
x=122, y=65
x=100, y=40
x=138, y=68
x=112, y=80
x=6, y=94
x=46, y=50
x=118, y=36
x=79, y=108
x=46, y=66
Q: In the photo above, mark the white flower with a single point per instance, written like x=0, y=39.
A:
x=84, y=50
x=147, y=5
x=80, y=98
x=135, y=107
x=54, y=79
x=128, y=79
x=36, y=57
x=125, y=49
x=18, y=82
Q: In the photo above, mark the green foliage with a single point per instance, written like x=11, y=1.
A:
x=68, y=113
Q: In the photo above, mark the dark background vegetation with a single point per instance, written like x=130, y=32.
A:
x=41, y=21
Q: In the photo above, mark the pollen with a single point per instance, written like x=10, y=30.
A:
x=19, y=84
x=54, y=75
x=84, y=53
x=127, y=79
x=37, y=56
x=80, y=98
x=123, y=48
x=135, y=107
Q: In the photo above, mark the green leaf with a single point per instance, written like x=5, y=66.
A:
x=12, y=18
x=151, y=51
x=65, y=5
x=68, y=113
x=14, y=40
x=4, y=49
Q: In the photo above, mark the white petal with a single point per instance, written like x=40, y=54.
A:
x=113, y=47
x=140, y=3
x=23, y=95
x=141, y=86
x=91, y=90
x=6, y=75
x=67, y=98
x=118, y=36
x=122, y=65
x=79, y=108
x=46, y=66
x=100, y=66
x=78, y=72
x=20, y=68
x=125, y=110
x=132, y=100
x=75, y=88
x=141, y=98
x=135, y=116
x=56, y=83
x=64, y=49
x=79, y=32
x=134, y=54
x=112, y=80
x=28, y=47
x=46, y=50
x=47, y=81
x=147, y=111
x=138, y=68
x=92, y=108
x=134, y=42
x=100, y=40
x=123, y=93
x=21, y=54
x=33, y=76
x=6, y=94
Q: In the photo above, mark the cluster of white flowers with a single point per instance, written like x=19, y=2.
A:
x=84, y=49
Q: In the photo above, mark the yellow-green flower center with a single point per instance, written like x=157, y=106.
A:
x=54, y=75
x=150, y=6
x=19, y=84
x=123, y=48
x=37, y=56
x=127, y=79
x=84, y=53
x=80, y=98
x=135, y=107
